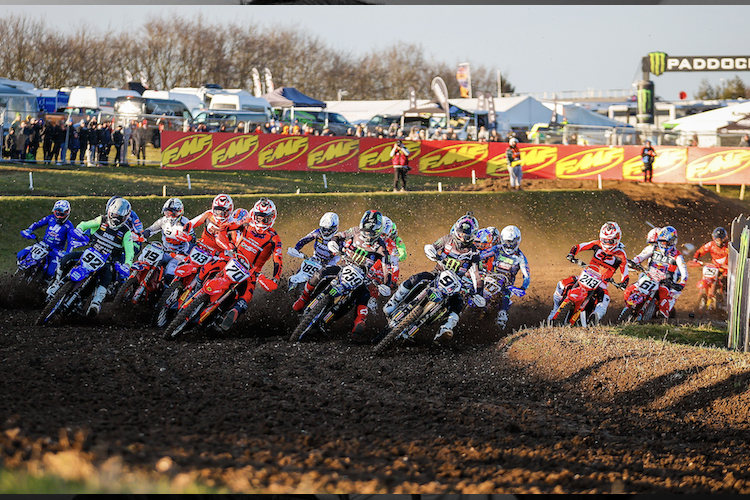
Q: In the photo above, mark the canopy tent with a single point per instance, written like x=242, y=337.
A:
x=707, y=124
x=741, y=126
x=289, y=97
x=578, y=115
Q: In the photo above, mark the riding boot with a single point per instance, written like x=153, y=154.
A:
x=96, y=301
x=358, y=331
x=232, y=314
x=395, y=299
x=56, y=282
x=304, y=298
x=446, y=331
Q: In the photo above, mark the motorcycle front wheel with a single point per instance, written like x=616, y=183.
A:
x=400, y=327
x=310, y=318
x=163, y=307
x=563, y=316
x=125, y=293
x=180, y=322
x=52, y=310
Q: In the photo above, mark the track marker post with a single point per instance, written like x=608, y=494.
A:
x=190, y=187
x=31, y=181
x=742, y=192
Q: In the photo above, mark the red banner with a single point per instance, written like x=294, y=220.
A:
x=195, y=151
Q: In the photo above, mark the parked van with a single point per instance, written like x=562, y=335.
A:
x=192, y=101
x=239, y=100
x=158, y=114
x=214, y=119
x=51, y=100
x=97, y=97
x=318, y=120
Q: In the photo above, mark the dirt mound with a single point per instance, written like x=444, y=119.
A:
x=533, y=411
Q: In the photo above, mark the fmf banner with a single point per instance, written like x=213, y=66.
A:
x=196, y=151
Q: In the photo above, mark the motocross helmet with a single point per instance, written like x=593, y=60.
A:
x=464, y=231
x=667, y=237
x=173, y=209
x=512, y=142
x=510, y=237
x=263, y=214
x=495, y=235
x=110, y=201
x=241, y=216
x=370, y=226
x=720, y=237
x=61, y=211
x=485, y=239
x=222, y=207
x=118, y=212
x=653, y=236
x=387, y=227
x=610, y=236
x=329, y=224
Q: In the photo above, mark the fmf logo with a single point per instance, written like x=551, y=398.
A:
x=379, y=157
x=186, y=150
x=533, y=158
x=281, y=152
x=666, y=161
x=332, y=153
x=718, y=165
x=452, y=158
x=588, y=162
x=234, y=151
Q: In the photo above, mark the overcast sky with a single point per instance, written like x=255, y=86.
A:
x=541, y=48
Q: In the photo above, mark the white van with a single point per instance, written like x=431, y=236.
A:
x=97, y=97
x=192, y=101
x=239, y=100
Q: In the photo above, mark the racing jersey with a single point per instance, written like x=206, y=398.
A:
x=668, y=261
x=257, y=247
x=460, y=260
x=214, y=234
x=169, y=231
x=359, y=252
x=606, y=264
x=509, y=265
x=59, y=237
x=719, y=255
x=320, y=246
x=106, y=239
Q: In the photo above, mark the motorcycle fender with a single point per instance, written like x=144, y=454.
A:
x=184, y=270
x=217, y=285
x=78, y=273
x=577, y=294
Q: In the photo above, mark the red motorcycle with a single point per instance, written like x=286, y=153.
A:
x=145, y=282
x=712, y=286
x=642, y=302
x=581, y=297
x=220, y=280
x=185, y=282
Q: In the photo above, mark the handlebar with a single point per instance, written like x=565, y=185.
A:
x=634, y=265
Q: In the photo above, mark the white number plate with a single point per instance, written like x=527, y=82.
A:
x=38, y=252
x=710, y=272
x=310, y=266
x=448, y=283
x=352, y=276
x=92, y=260
x=646, y=285
x=590, y=279
x=199, y=256
x=491, y=286
x=152, y=254
x=236, y=271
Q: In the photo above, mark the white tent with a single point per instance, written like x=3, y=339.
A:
x=362, y=111
x=578, y=115
x=707, y=123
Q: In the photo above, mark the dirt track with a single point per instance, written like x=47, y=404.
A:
x=535, y=411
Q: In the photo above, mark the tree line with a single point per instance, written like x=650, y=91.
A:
x=176, y=51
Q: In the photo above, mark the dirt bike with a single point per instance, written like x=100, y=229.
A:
x=332, y=297
x=185, y=283
x=712, y=298
x=425, y=304
x=643, y=301
x=31, y=269
x=78, y=285
x=580, y=299
x=219, y=281
x=145, y=281
x=310, y=265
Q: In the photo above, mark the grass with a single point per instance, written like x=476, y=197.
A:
x=702, y=335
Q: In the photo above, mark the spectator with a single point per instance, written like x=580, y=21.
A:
x=494, y=136
x=133, y=127
x=105, y=143
x=437, y=135
x=350, y=132
x=10, y=147
x=296, y=129
x=400, y=160
x=83, y=138
x=93, y=143
x=64, y=140
x=413, y=134
x=140, y=137
x=74, y=143
x=35, y=137
x=745, y=142
x=513, y=158
x=16, y=124
x=240, y=128
x=47, y=137
x=118, y=139
x=360, y=131
x=24, y=138
x=127, y=134
x=422, y=135
x=58, y=138
x=648, y=155
x=392, y=129
x=694, y=139
x=483, y=135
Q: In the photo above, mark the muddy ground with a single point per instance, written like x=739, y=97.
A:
x=529, y=410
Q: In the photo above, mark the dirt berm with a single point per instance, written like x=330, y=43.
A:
x=531, y=410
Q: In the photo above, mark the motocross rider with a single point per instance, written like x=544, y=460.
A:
x=388, y=234
x=609, y=256
x=255, y=240
x=457, y=252
x=718, y=249
x=320, y=236
x=487, y=241
x=59, y=235
x=665, y=257
x=507, y=260
x=170, y=225
x=110, y=234
x=363, y=246
x=216, y=219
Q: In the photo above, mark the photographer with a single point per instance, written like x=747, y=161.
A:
x=400, y=158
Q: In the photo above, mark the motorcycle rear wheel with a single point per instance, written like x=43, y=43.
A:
x=310, y=318
x=180, y=322
x=626, y=315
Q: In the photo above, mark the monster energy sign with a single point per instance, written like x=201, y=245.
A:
x=660, y=62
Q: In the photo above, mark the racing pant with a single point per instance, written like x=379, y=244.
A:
x=667, y=296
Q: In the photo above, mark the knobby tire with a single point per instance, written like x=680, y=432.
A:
x=564, y=315
x=52, y=309
x=400, y=327
x=180, y=322
x=648, y=314
x=626, y=315
x=161, y=315
x=125, y=293
x=308, y=319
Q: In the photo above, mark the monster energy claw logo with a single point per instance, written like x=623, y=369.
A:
x=658, y=62
x=644, y=101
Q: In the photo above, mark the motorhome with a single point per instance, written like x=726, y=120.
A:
x=192, y=100
x=15, y=102
x=51, y=100
x=97, y=97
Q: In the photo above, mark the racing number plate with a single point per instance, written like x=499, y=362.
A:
x=590, y=279
x=710, y=272
x=38, y=252
x=646, y=285
x=152, y=255
x=351, y=277
x=199, y=256
x=448, y=283
x=309, y=266
x=236, y=271
x=92, y=260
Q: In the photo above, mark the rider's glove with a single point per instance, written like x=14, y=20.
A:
x=478, y=300
x=122, y=269
x=518, y=292
x=146, y=234
x=570, y=257
x=430, y=252
x=625, y=282
x=334, y=247
x=295, y=253
x=268, y=285
x=677, y=287
x=28, y=234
